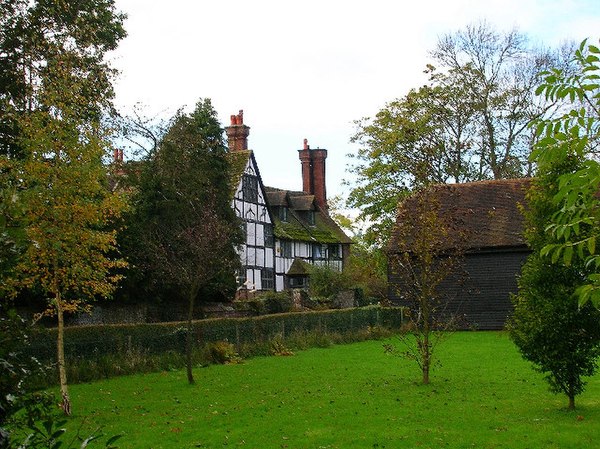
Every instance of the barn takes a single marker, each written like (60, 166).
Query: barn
(492, 249)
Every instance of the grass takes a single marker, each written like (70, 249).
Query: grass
(349, 396)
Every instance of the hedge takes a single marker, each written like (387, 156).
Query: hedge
(94, 342)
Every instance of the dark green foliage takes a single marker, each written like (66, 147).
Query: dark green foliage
(270, 302)
(183, 231)
(45, 41)
(326, 282)
(20, 405)
(549, 328)
(561, 339)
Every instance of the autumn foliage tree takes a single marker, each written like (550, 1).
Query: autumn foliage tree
(55, 89)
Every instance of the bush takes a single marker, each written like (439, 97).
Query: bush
(277, 302)
(223, 352)
(326, 282)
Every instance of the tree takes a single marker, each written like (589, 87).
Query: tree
(56, 89)
(470, 122)
(549, 328)
(499, 72)
(68, 210)
(426, 251)
(575, 134)
(44, 38)
(185, 227)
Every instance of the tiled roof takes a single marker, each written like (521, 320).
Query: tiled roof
(489, 212)
(324, 230)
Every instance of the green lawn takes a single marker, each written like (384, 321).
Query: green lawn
(352, 396)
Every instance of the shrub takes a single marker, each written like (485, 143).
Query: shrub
(278, 347)
(223, 352)
(326, 282)
(276, 302)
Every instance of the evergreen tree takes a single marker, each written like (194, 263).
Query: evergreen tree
(184, 232)
(560, 338)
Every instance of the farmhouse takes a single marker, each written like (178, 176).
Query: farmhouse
(284, 229)
(493, 248)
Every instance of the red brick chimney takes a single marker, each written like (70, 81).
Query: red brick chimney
(237, 133)
(313, 173)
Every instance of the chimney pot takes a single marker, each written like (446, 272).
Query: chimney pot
(237, 133)
(306, 147)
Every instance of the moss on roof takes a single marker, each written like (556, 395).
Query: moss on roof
(298, 268)
(325, 230)
(238, 160)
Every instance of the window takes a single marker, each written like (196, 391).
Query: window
(298, 281)
(285, 248)
(269, 240)
(250, 188)
(283, 213)
(318, 251)
(267, 278)
(310, 217)
(334, 251)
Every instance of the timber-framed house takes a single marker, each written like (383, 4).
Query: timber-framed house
(285, 230)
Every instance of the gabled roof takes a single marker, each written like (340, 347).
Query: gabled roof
(324, 230)
(298, 268)
(238, 160)
(489, 212)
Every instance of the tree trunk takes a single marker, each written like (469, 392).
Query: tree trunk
(571, 402)
(189, 340)
(62, 372)
(426, 358)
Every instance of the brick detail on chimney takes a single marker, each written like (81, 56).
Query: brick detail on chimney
(313, 173)
(118, 156)
(237, 133)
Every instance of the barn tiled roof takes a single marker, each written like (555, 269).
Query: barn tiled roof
(489, 212)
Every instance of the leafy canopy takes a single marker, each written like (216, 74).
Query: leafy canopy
(574, 134)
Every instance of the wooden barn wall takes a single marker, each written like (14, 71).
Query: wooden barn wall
(481, 293)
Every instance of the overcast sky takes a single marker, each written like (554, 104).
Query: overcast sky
(307, 69)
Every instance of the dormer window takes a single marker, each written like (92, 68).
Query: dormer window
(283, 213)
(310, 217)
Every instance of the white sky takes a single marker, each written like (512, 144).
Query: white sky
(307, 69)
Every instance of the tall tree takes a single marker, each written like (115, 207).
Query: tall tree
(43, 38)
(470, 122)
(186, 228)
(56, 88)
(67, 212)
(575, 221)
(560, 338)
